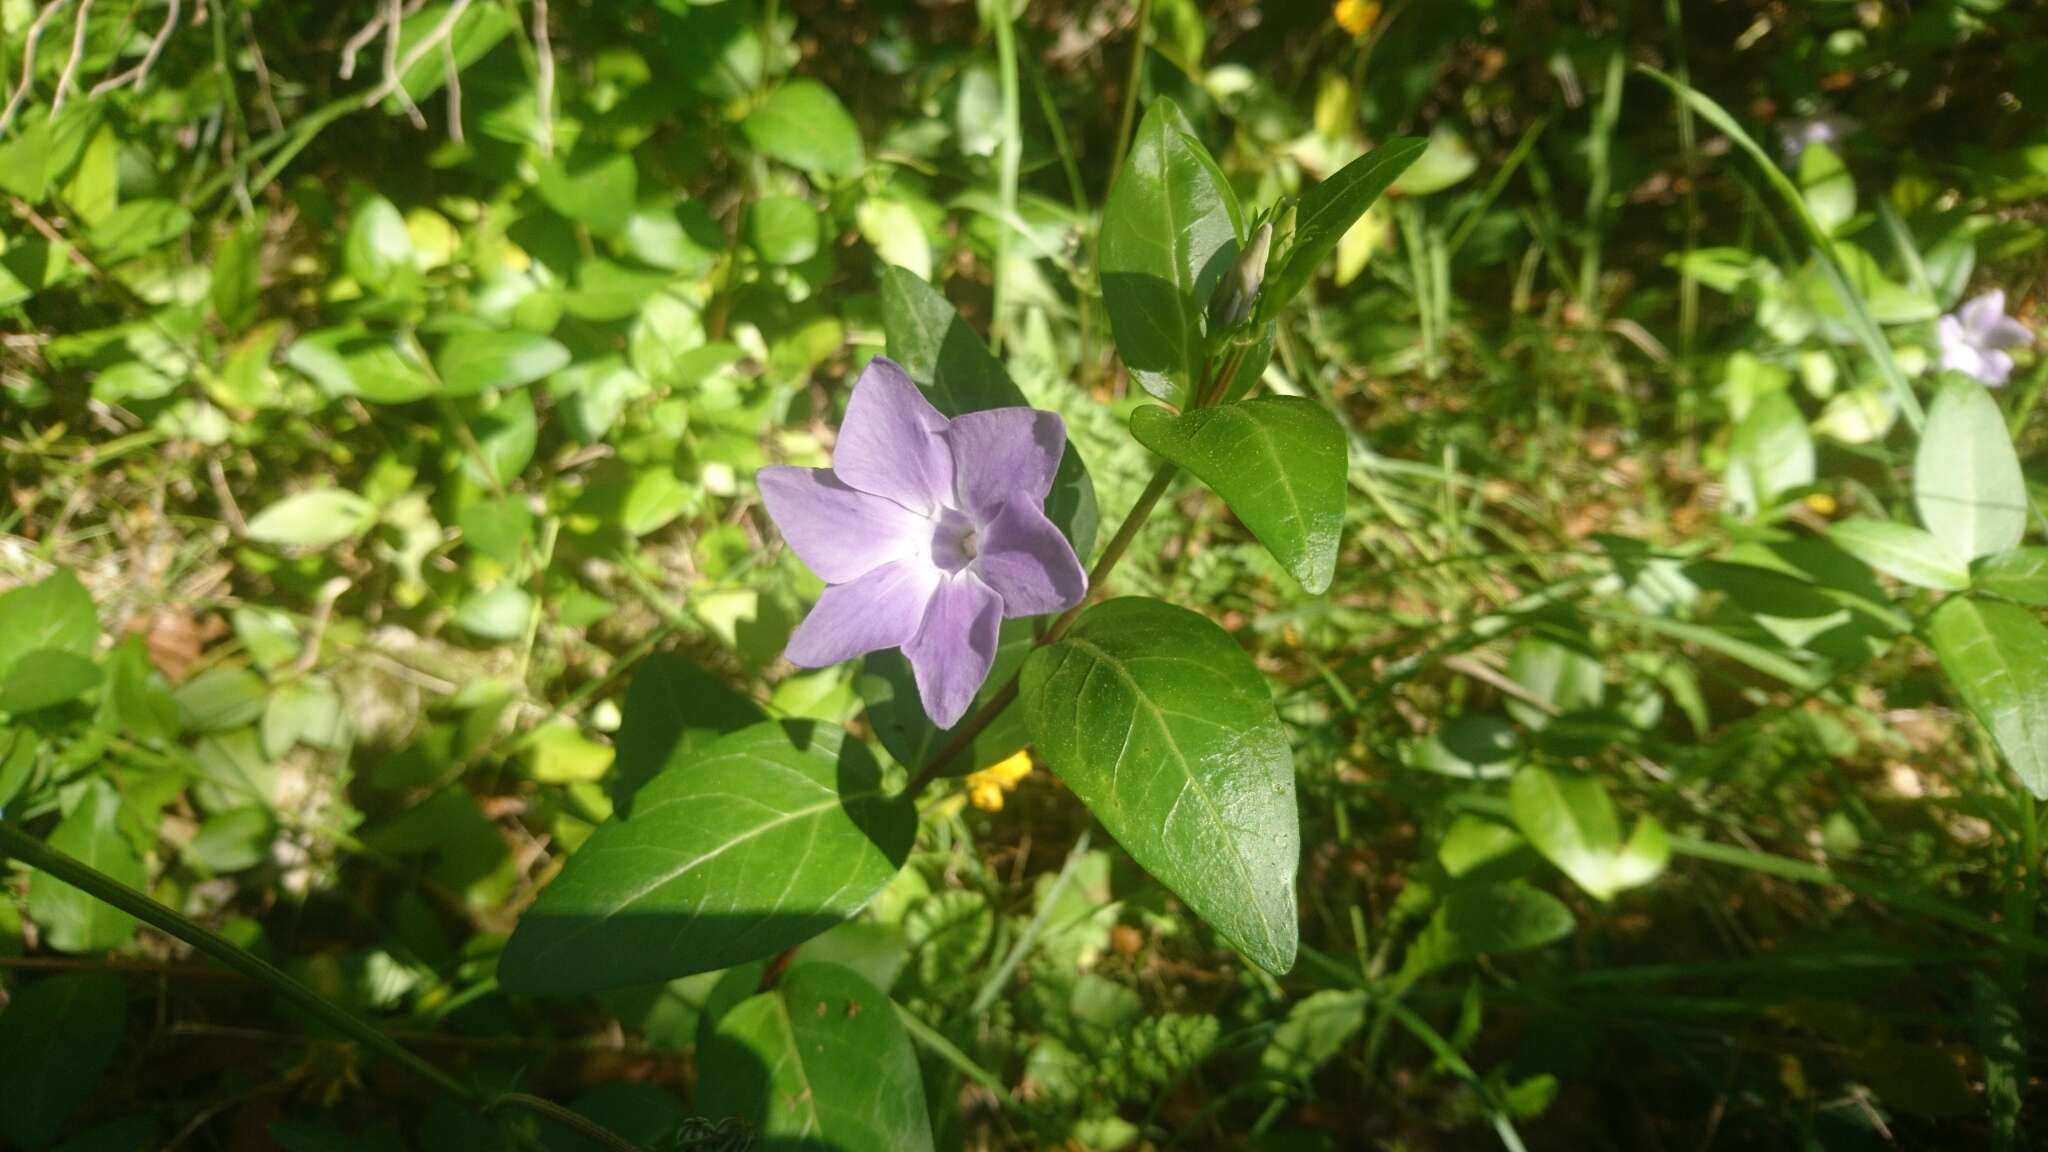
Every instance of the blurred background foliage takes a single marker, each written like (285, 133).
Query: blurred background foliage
(380, 413)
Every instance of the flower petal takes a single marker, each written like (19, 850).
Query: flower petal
(839, 533)
(1005, 454)
(1029, 564)
(1997, 368)
(1980, 314)
(956, 646)
(883, 609)
(2007, 333)
(893, 442)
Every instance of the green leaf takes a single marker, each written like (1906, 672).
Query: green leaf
(231, 841)
(351, 360)
(1967, 483)
(893, 230)
(1564, 676)
(761, 840)
(2020, 575)
(499, 614)
(54, 613)
(378, 253)
(1328, 210)
(805, 126)
(483, 361)
(46, 678)
(594, 186)
(237, 287)
(1278, 461)
(672, 709)
(1770, 454)
(1901, 551)
(71, 920)
(43, 149)
(1829, 188)
(958, 374)
(137, 227)
(1169, 233)
(1448, 160)
(1164, 728)
(1473, 922)
(1996, 655)
(1571, 821)
(57, 1038)
(949, 933)
(1316, 1029)
(783, 229)
(317, 519)
(819, 1061)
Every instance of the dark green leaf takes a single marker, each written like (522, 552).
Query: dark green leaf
(805, 126)
(1996, 655)
(1328, 210)
(820, 1061)
(1474, 922)
(1278, 461)
(1164, 728)
(734, 852)
(71, 920)
(1169, 233)
(57, 1038)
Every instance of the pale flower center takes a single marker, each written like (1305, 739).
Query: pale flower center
(953, 543)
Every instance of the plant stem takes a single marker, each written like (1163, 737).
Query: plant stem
(18, 844)
(1140, 32)
(1011, 157)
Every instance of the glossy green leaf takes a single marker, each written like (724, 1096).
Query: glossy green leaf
(820, 1061)
(1278, 461)
(1165, 729)
(1571, 821)
(1492, 920)
(1169, 233)
(672, 709)
(1966, 477)
(54, 613)
(1902, 551)
(734, 852)
(958, 374)
(1328, 210)
(1770, 454)
(1996, 656)
(71, 920)
(805, 126)
(57, 1038)
(317, 519)
(484, 361)
(2020, 575)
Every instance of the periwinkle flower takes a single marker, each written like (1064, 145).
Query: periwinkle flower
(928, 532)
(1974, 339)
(1797, 135)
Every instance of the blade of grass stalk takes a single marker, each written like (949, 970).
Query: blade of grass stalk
(1860, 322)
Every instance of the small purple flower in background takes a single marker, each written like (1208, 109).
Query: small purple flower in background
(1974, 339)
(928, 532)
(1797, 135)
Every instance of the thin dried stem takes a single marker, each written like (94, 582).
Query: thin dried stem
(139, 74)
(356, 43)
(263, 87)
(394, 73)
(28, 61)
(453, 82)
(544, 77)
(394, 80)
(69, 77)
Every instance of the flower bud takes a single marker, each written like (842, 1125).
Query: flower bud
(1231, 303)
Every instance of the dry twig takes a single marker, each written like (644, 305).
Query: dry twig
(139, 74)
(28, 61)
(69, 77)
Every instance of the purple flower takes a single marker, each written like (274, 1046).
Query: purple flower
(1796, 136)
(1974, 339)
(928, 532)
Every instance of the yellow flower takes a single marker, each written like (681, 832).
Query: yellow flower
(986, 787)
(1357, 16)
(1822, 503)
